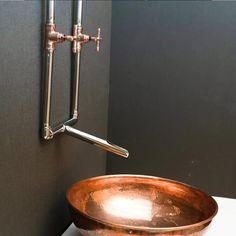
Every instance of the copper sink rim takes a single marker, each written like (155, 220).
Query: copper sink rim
(143, 228)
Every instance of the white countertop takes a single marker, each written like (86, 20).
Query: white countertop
(222, 224)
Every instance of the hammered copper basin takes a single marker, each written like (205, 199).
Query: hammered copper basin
(139, 205)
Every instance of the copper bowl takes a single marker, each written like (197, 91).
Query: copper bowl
(139, 205)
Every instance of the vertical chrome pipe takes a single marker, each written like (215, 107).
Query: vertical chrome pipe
(77, 22)
(75, 85)
(78, 5)
(50, 12)
(47, 94)
(48, 73)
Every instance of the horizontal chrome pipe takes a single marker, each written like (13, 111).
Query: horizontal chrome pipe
(110, 147)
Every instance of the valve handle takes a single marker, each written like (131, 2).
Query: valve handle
(97, 39)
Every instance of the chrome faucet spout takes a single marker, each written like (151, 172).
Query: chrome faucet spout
(101, 143)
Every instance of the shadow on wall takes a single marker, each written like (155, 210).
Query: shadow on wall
(172, 91)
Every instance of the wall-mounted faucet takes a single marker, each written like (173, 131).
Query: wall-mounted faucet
(78, 39)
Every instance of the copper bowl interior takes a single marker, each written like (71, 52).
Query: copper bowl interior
(141, 203)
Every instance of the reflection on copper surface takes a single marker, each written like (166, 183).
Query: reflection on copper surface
(121, 205)
(135, 209)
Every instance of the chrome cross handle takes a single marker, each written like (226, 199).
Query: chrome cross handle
(97, 39)
(79, 38)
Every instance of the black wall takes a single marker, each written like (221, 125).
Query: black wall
(173, 91)
(35, 174)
